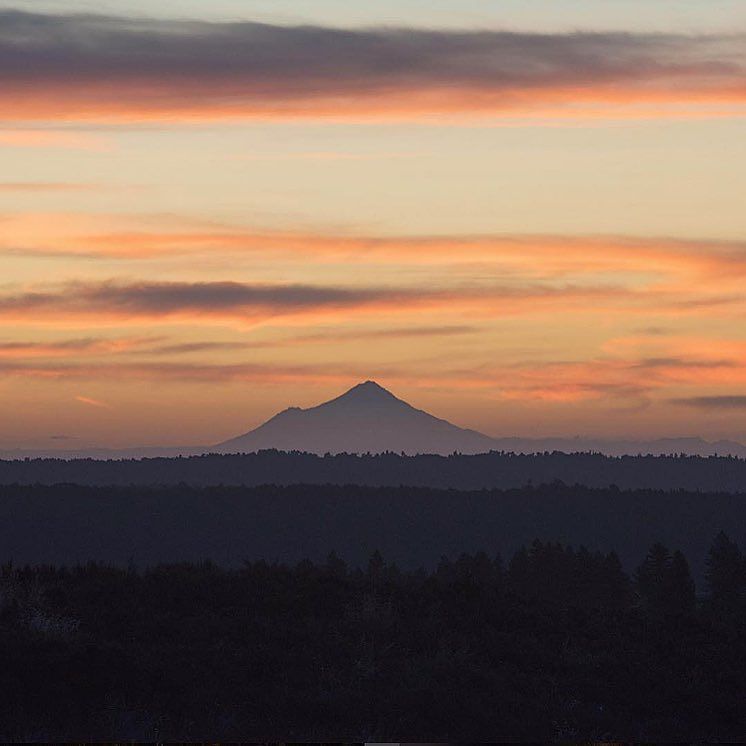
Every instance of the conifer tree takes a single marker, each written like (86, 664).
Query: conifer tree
(726, 573)
(651, 577)
(679, 592)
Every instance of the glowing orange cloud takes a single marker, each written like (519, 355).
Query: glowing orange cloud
(190, 103)
(615, 379)
(49, 138)
(75, 347)
(540, 256)
(92, 402)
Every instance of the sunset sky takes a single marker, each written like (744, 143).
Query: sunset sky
(525, 216)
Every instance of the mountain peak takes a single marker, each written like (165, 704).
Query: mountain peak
(368, 387)
(366, 418)
(367, 392)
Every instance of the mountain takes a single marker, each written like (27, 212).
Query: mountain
(367, 418)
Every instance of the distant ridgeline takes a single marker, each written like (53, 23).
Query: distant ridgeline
(483, 471)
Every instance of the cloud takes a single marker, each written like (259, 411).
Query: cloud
(92, 402)
(410, 332)
(92, 347)
(669, 275)
(163, 299)
(97, 67)
(611, 378)
(97, 303)
(654, 331)
(48, 138)
(616, 381)
(663, 363)
(188, 348)
(539, 255)
(267, 373)
(736, 402)
(545, 253)
(89, 346)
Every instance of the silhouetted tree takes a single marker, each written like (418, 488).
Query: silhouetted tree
(726, 573)
(679, 592)
(651, 577)
(518, 571)
(376, 569)
(664, 582)
(445, 573)
(615, 585)
(335, 567)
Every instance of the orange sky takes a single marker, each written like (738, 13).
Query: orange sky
(529, 233)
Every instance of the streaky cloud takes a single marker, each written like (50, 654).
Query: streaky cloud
(101, 67)
(714, 402)
(97, 302)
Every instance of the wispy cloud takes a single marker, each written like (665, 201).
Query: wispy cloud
(30, 138)
(673, 275)
(87, 346)
(725, 403)
(92, 402)
(407, 332)
(618, 381)
(690, 274)
(95, 67)
(96, 303)
(540, 255)
(188, 348)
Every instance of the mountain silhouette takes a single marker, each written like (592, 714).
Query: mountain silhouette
(367, 418)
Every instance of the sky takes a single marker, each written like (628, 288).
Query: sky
(524, 216)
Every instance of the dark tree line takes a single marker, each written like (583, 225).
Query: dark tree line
(554, 644)
(458, 471)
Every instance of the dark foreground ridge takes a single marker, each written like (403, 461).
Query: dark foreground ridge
(553, 644)
(484, 471)
(67, 524)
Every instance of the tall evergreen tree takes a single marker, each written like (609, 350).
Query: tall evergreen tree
(518, 571)
(376, 569)
(335, 567)
(615, 582)
(726, 572)
(651, 577)
(679, 595)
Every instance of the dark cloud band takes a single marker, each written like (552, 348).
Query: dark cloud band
(102, 300)
(714, 402)
(233, 65)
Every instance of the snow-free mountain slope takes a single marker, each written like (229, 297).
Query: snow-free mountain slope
(367, 418)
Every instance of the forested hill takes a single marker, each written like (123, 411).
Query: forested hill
(496, 469)
(69, 524)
